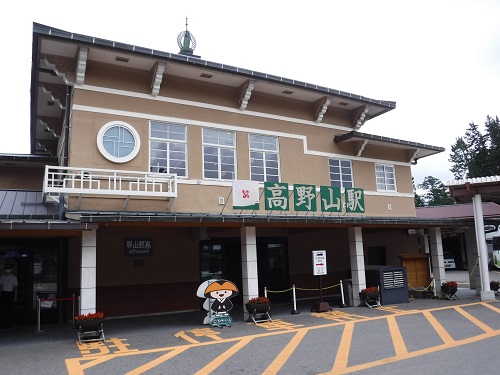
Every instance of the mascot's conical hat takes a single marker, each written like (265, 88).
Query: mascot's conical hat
(221, 285)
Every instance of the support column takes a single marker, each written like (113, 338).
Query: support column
(249, 272)
(357, 262)
(88, 273)
(486, 293)
(472, 260)
(436, 245)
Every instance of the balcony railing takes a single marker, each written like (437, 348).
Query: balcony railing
(96, 182)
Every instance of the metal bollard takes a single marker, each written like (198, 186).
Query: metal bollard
(38, 314)
(342, 295)
(294, 311)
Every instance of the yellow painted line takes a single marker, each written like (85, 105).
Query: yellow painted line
(344, 348)
(490, 306)
(76, 366)
(443, 333)
(414, 354)
(224, 357)
(182, 335)
(148, 366)
(474, 320)
(397, 338)
(281, 359)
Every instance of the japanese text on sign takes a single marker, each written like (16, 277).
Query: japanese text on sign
(319, 262)
(138, 246)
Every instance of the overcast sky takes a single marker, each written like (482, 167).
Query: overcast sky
(439, 60)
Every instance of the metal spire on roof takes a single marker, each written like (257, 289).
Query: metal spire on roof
(186, 42)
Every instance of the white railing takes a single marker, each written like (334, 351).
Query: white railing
(73, 180)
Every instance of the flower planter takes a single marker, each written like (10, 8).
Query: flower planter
(449, 291)
(258, 308)
(90, 330)
(370, 299)
(259, 312)
(495, 286)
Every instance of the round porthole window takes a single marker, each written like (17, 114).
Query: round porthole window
(118, 141)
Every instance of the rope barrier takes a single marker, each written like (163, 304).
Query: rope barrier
(474, 268)
(40, 300)
(58, 299)
(304, 289)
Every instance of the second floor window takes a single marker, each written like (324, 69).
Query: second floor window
(219, 154)
(340, 173)
(386, 177)
(168, 149)
(264, 160)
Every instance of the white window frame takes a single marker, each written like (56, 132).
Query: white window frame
(118, 159)
(168, 142)
(382, 181)
(342, 181)
(266, 152)
(219, 148)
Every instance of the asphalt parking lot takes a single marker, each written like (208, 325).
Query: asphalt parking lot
(408, 338)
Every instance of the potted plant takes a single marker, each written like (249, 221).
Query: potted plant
(449, 287)
(258, 305)
(494, 286)
(90, 326)
(370, 293)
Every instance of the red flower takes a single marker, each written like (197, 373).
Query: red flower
(450, 284)
(370, 289)
(258, 300)
(90, 316)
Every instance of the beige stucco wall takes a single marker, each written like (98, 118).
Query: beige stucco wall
(304, 146)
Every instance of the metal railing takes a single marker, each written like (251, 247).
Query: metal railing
(73, 180)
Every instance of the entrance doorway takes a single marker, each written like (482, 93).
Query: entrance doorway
(39, 267)
(221, 259)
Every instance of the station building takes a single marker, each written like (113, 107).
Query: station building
(151, 172)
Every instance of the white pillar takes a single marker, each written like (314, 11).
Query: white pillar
(357, 262)
(250, 280)
(486, 293)
(436, 245)
(88, 273)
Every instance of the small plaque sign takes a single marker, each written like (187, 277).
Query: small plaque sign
(138, 247)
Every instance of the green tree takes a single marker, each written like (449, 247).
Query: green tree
(477, 154)
(436, 194)
(419, 202)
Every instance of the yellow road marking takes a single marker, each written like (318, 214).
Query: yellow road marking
(490, 306)
(182, 335)
(224, 356)
(414, 354)
(148, 366)
(76, 366)
(281, 359)
(474, 320)
(344, 348)
(397, 338)
(445, 336)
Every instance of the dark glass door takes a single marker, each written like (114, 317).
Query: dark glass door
(272, 255)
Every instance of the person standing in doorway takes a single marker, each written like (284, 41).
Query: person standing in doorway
(8, 295)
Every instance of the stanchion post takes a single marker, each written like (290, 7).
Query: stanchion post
(342, 295)
(294, 311)
(265, 291)
(38, 330)
(434, 286)
(73, 304)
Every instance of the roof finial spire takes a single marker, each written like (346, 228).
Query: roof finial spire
(186, 42)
